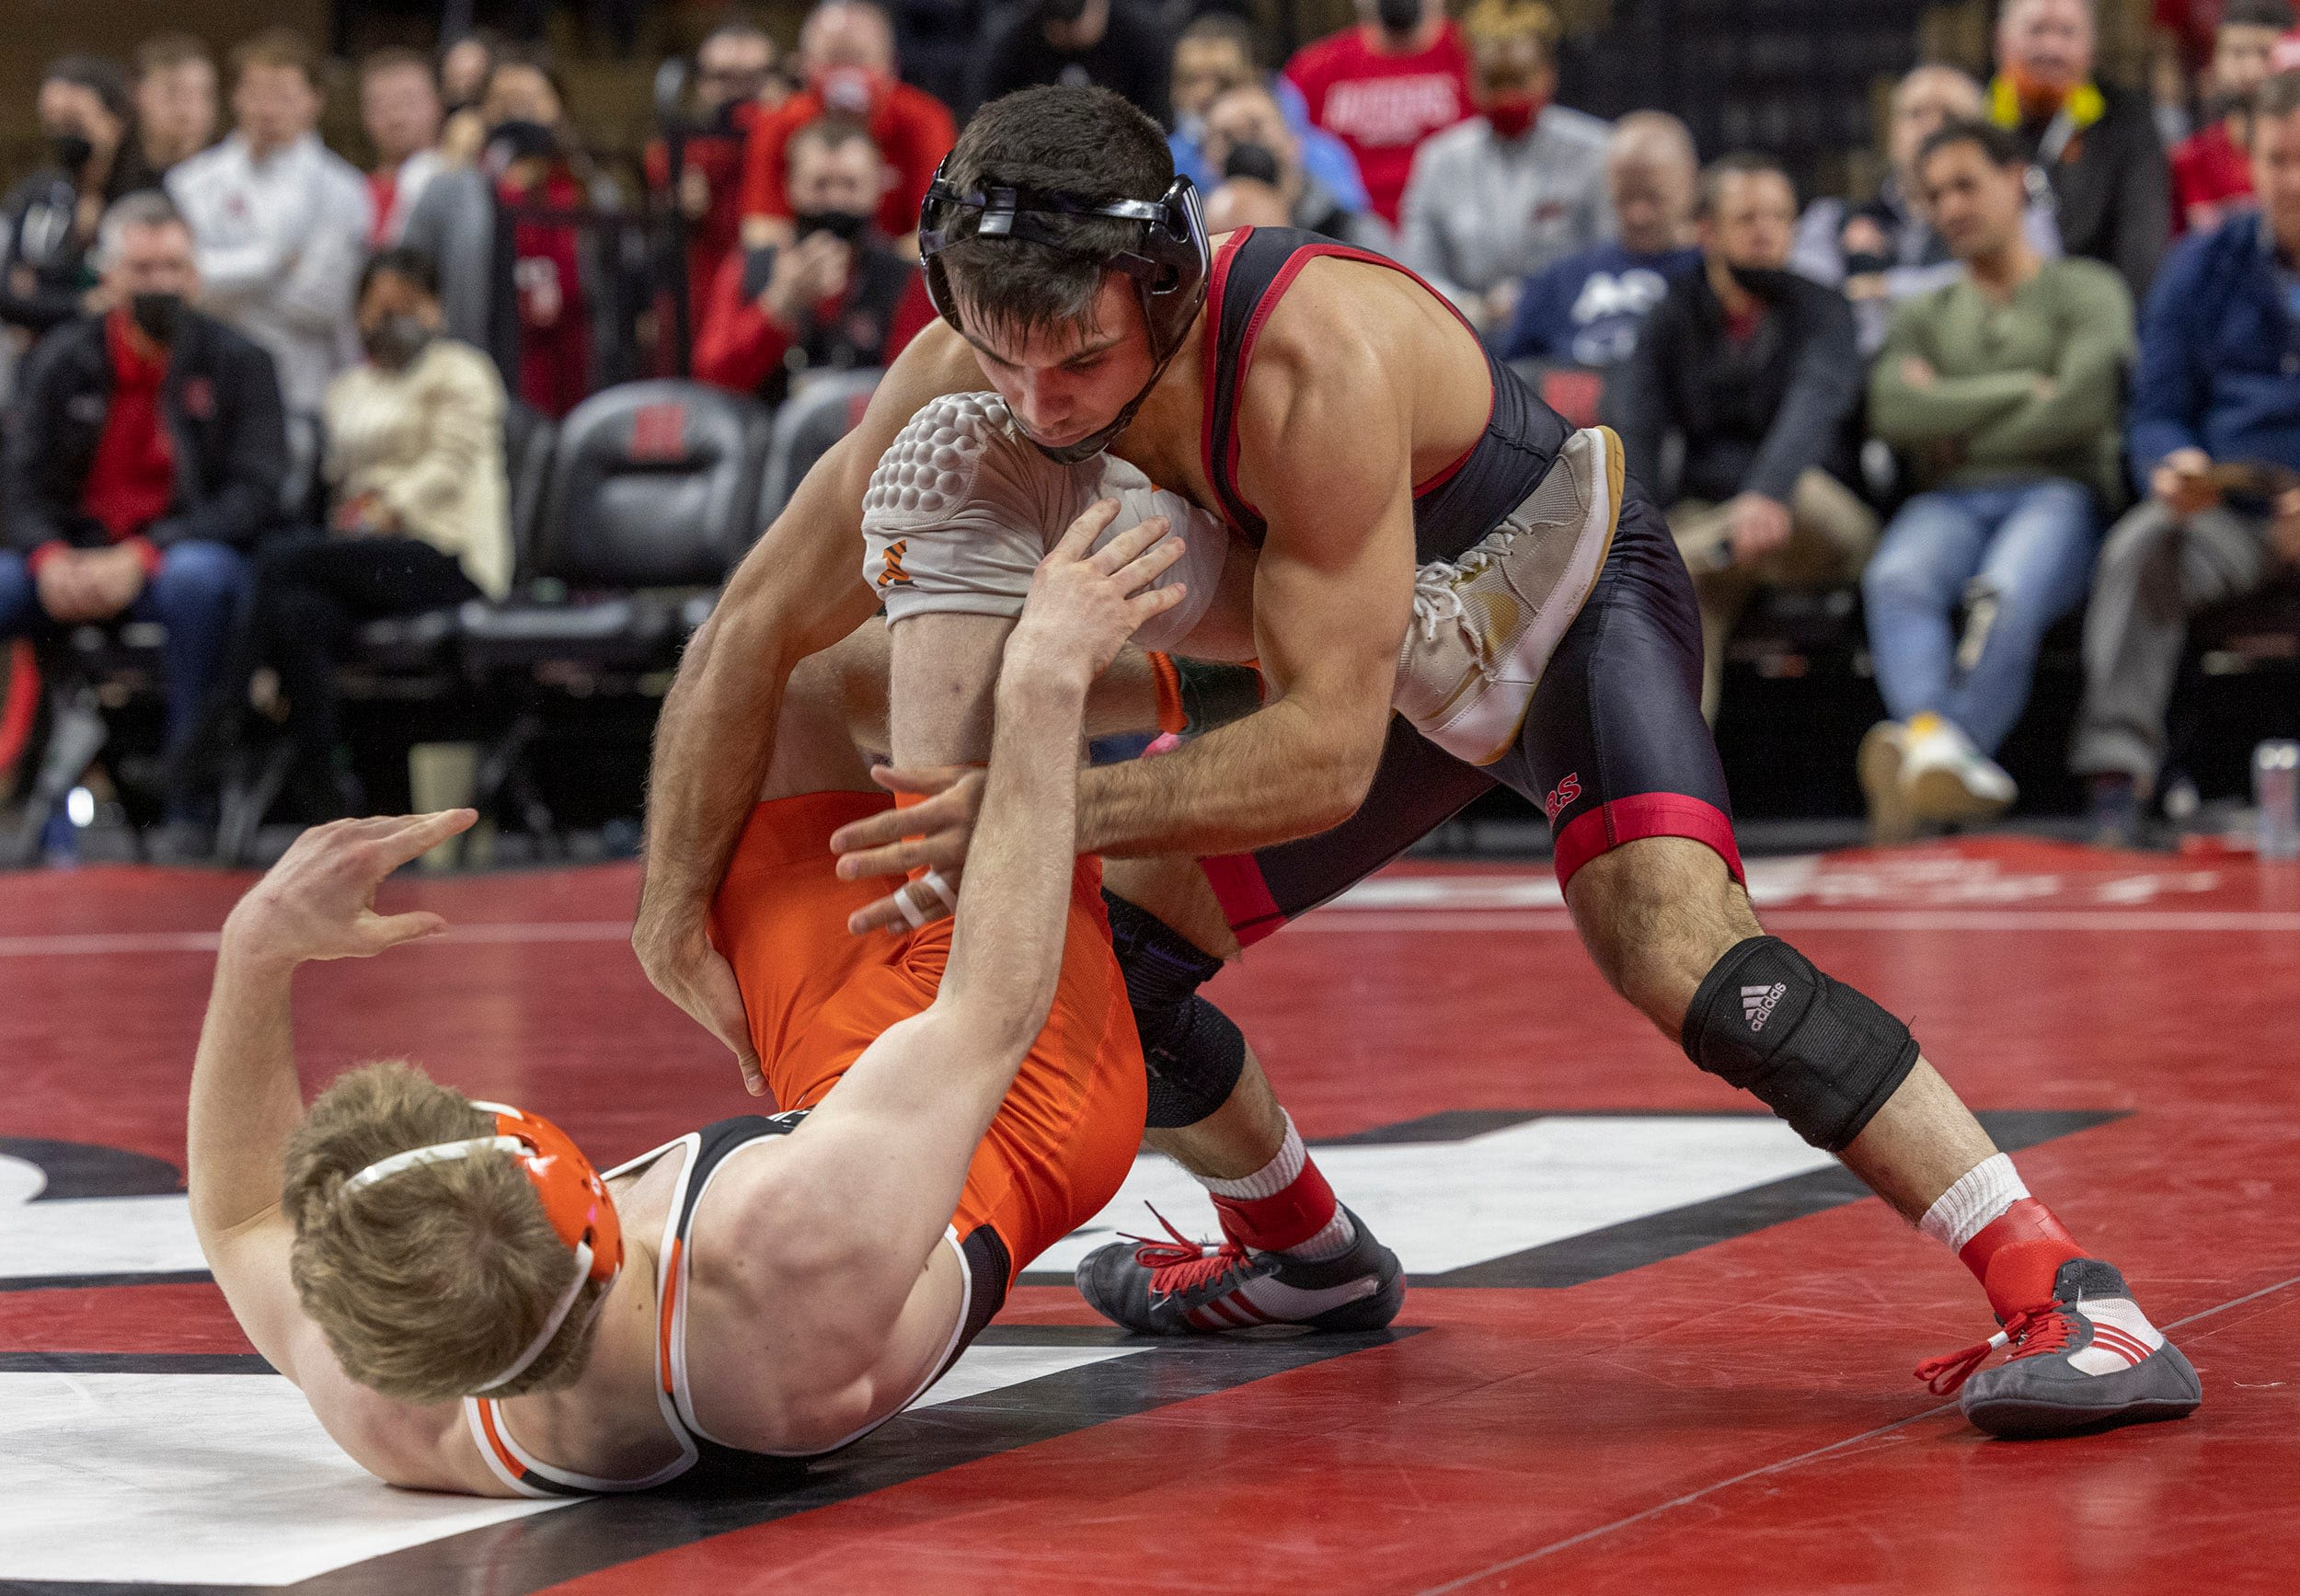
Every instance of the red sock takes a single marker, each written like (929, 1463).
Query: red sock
(1283, 1220)
(2016, 1255)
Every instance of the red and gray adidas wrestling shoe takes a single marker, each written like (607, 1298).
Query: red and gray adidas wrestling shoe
(2089, 1359)
(1180, 1287)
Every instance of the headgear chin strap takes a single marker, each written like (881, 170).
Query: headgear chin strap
(1169, 266)
(574, 1200)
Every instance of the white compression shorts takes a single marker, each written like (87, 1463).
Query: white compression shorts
(962, 506)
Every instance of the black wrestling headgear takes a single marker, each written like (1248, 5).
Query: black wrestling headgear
(1169, 266)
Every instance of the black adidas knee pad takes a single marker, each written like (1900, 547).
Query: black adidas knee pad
(1813, 1049)
(1192, 1051)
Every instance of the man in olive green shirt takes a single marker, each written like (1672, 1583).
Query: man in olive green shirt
(2000, 393)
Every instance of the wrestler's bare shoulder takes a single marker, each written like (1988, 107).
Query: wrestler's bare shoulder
(1347, 333)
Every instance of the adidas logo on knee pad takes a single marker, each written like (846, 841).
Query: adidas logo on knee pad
(1757, 1002)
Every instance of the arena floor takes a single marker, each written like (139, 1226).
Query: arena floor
(1655, 1343)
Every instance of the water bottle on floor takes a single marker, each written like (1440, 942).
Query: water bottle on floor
(2276, 793)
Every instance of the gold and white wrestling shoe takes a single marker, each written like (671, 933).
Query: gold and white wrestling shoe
(1486, 624)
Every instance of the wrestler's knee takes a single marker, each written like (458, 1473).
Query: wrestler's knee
(1657, 914)
(1193, 1052)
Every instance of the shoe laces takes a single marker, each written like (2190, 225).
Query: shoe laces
(1437, 593)
(2033, 1331)
(1179, 1264)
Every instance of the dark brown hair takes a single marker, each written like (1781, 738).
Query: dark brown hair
(277, 47)
(1087, 144)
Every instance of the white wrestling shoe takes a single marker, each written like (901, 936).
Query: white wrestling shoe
(1486, 624)
(1946, 778)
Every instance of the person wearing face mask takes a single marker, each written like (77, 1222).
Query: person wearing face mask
(2097, 145)
(47, 224)
(143, 469)
(1246, 134)
(513, 273)
(1384, 86)
(419, 519)
(1886, 252)
(2212, 172)
(1219, 52)
(283, 221)
(1756, 369)
(1113, 43)
(846, 51)
(735, 84)
(839, 296)
(1517, 186)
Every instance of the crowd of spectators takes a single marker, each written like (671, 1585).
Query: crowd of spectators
(1953, 389)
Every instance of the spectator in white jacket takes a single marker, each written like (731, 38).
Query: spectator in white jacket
(283, 224)
(1518, 185)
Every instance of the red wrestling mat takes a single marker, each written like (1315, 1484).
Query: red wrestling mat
(1617, 1372)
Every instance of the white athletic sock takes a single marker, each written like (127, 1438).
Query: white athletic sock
(1973, 1204)
(1339, 1234)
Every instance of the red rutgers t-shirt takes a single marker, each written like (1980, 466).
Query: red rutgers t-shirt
(1383, 106)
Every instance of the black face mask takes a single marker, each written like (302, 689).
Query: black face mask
(846, 226)
(394, 342)
(1398, 16)
(1247, 159)
(521, 141)
(159, 315)
(1766, 283)
(69, 148)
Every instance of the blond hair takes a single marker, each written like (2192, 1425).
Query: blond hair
(1499, 19)
(429, 1284)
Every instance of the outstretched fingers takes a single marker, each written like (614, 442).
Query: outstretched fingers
(1079, 539)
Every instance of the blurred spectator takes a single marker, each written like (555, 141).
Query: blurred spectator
(399, 106)
(465, 67)
(1518, 185)
(537, 166)
(418, 517)
(2212, 175)
(1885, 251)
(1384, 86)
(47, 224)
(2213, 437)
(144, 466)
(1238, 202)
(937, 40)
(1587, 308)
(283, 221)
(1247, 137)
(1114, 44)
(1218, 53)
(2098, 145)
(176, 98)
(839, 297)
(846, 51)
(1755, 369)
(735, 84)
(2000, 389)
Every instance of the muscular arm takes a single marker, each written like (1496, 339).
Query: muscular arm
(246, 1102)
(800, 589)
(1326, 437)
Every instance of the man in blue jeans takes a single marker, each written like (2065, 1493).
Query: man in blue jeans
(144, 462)
(2000, 392)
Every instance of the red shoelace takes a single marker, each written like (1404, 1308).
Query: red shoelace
(2032, 1331)
(1180, 1264)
